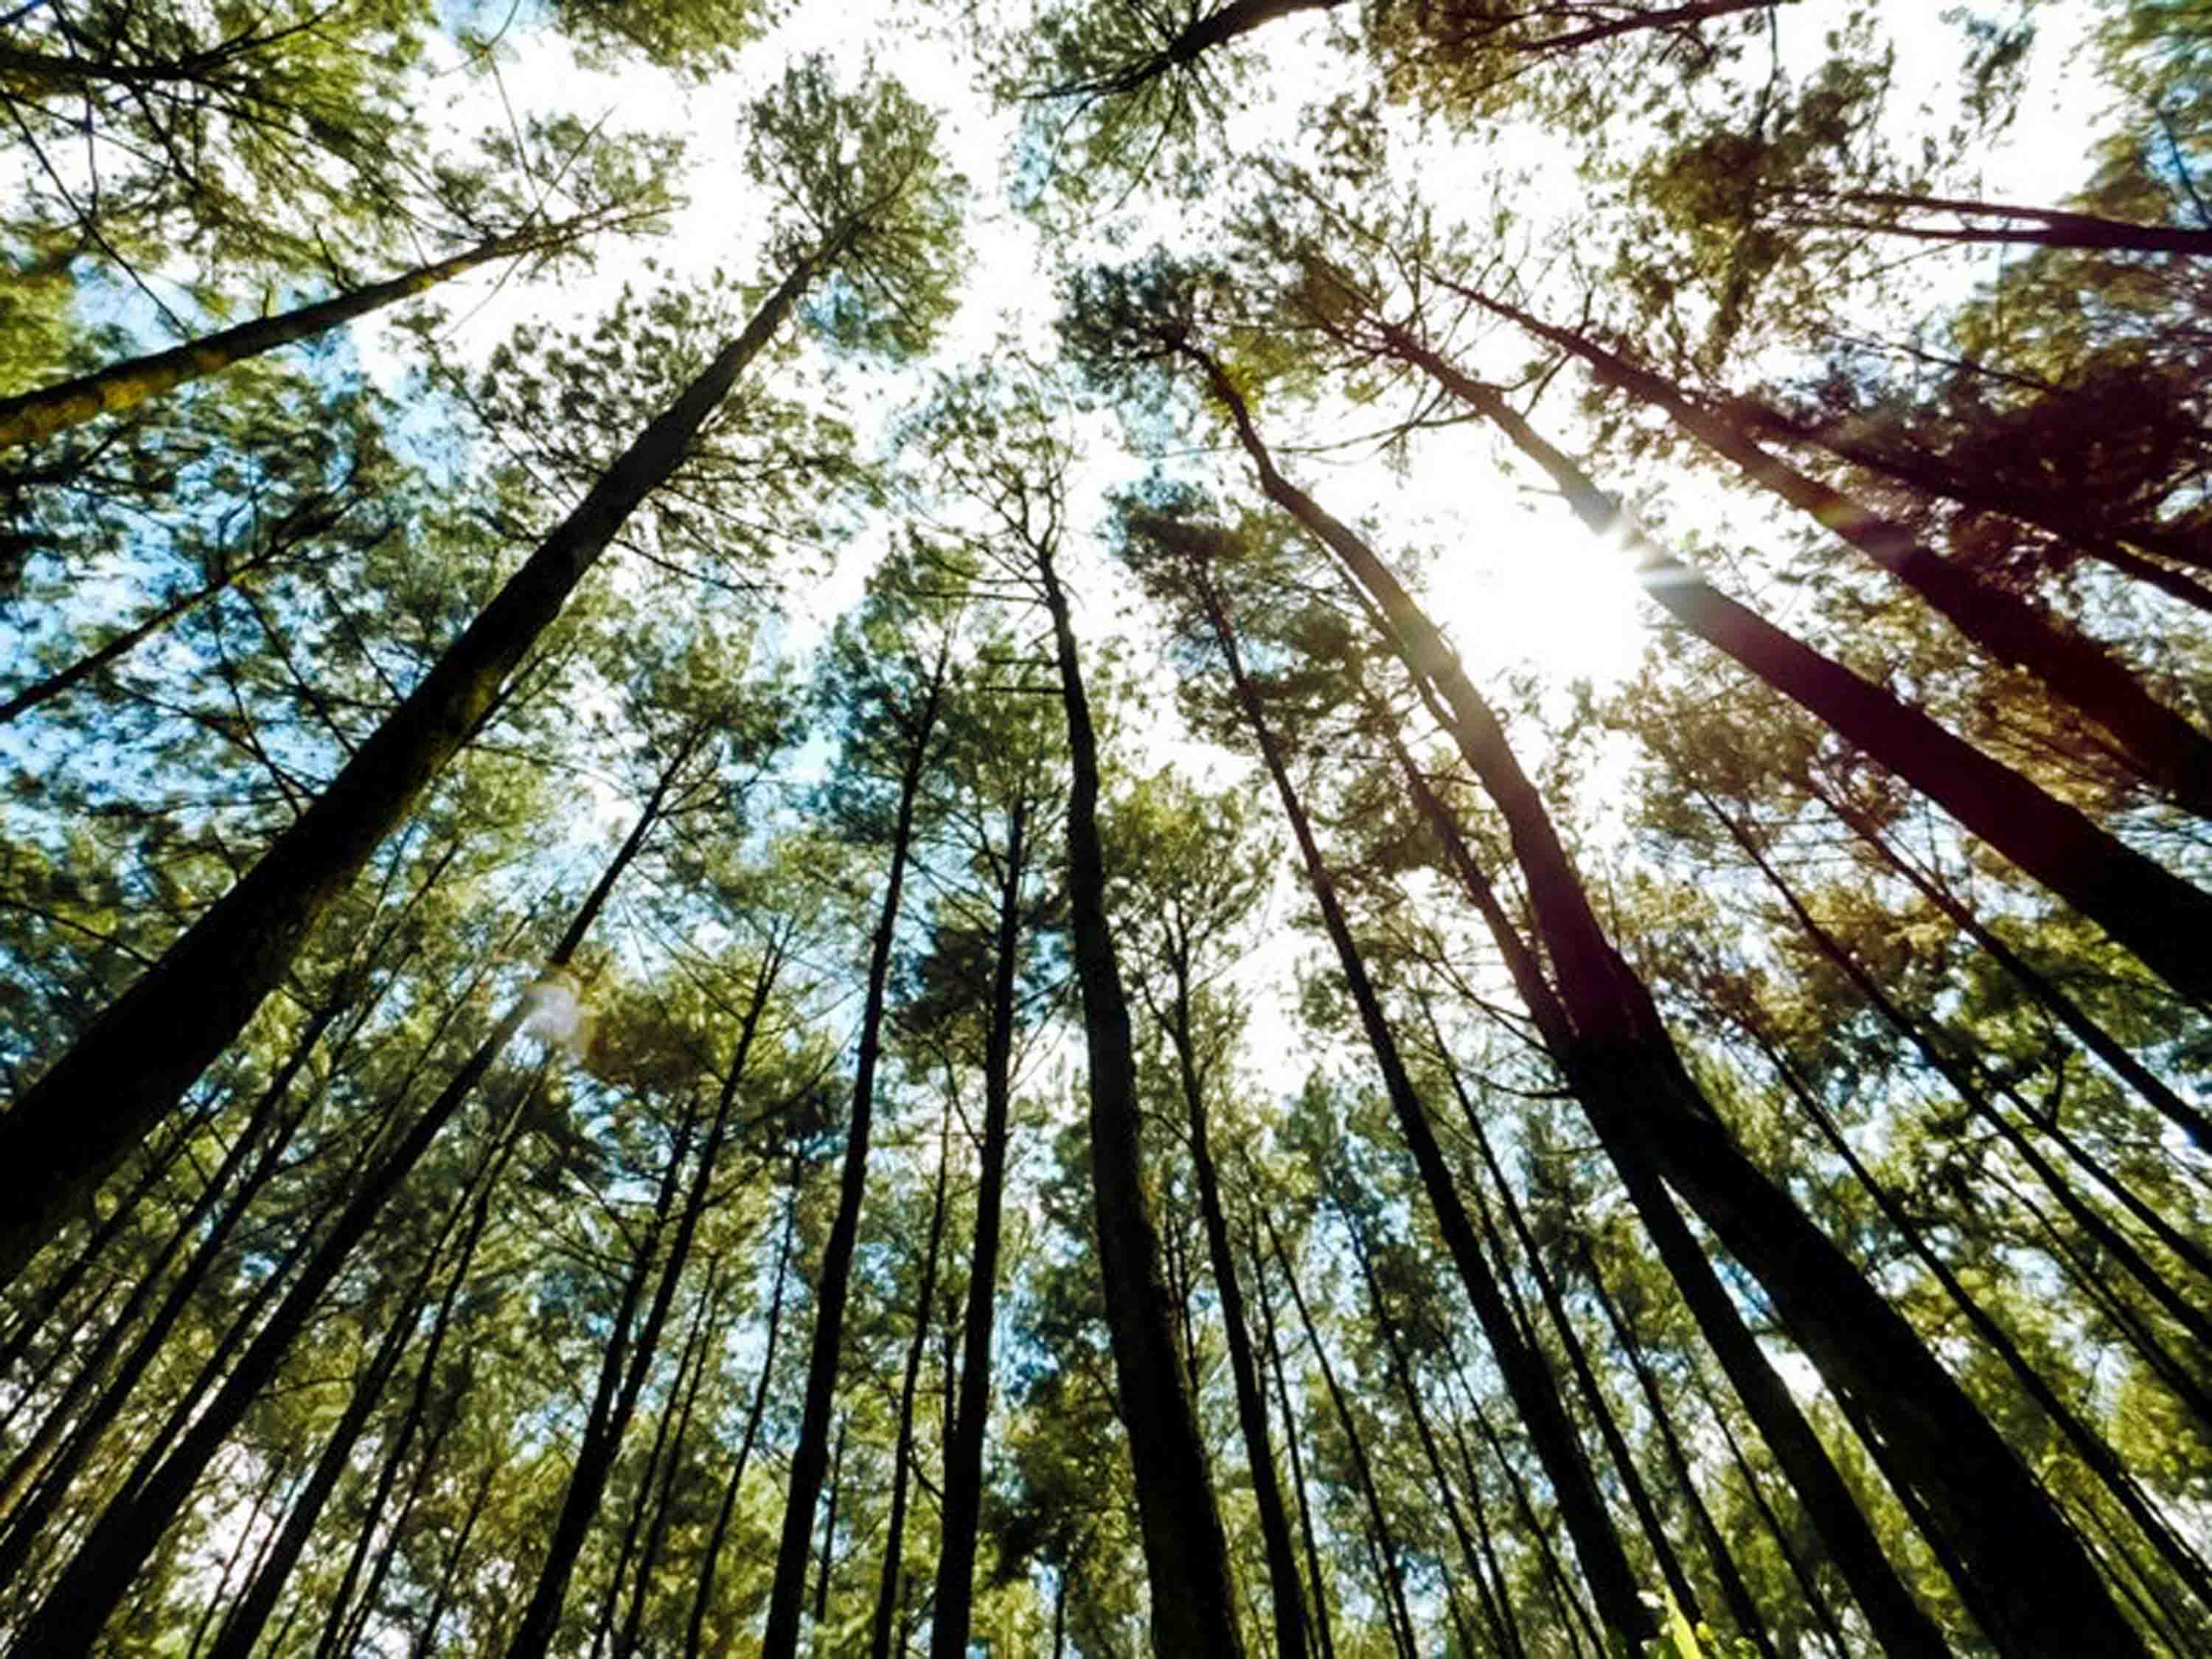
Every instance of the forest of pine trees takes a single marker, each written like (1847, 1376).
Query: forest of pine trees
(1352, 828)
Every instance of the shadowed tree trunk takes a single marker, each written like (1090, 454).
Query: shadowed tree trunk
(961, 1512)
(70, 1617)
(887, 1588)
(68, 1130)
(2035, 1585)
(2143, 906)
(1320, 1583)
(31, 416)
(1528, 1378)
(1194, 1608)
(2158, 743)
(810, 1459)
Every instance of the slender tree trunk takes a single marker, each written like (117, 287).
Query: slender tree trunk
(69, 1619)
(695, 1357)
(829, 1528)
(403, 1438)
(809, 1458)
(1392, 1578)
(31, 416)
(70, 1128)
(960, 1513)
(2143, 906)
(887, 1590)
(1535, 1393)
(1807, 1585)
(2015, 225)
(1194, 1607)
(1288, 1604)
(1898, 1620)
(1741, 1607)
(2149, 1087)
(442, 1597)
(711, 1557)
(1204, 32)
(1319, 1582)
(2159, 743)
(2044, 1593)
(2162, 1290)
(1409, 1389)
(602, 1437)
(346, 1618)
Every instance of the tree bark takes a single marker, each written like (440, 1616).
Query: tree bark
(960, 1511)
(2143, 906)
(31, 416)
(1194, 1607)
(809, 1458)
(1535, 1393)
(1288, 1602)
(69, 1619)
(887, 1588)
(70, 1129)
(2164, 748)
(2045, 1594)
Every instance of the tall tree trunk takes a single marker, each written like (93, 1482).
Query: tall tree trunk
(2088, 1443)
(68, 1130)
(809, 1458)
(654, 1486)
(1288, 1603)
(829, 1526)
(31, 416)
(1904, 1629)
(2159, 743)
(2044, 1593)
(2015, 225)
(1392, 1578)
(442, 1596)
(1741, 1607)
(1319, 1582)
(2148, 1086)
(1409, 1390)
(2108, 1238)
(2143, 906)
(77, 1607)
(1194, 1607)
(887, 1588)
(603, 1436)
(1528, 1376)
(961, 1512)
(711, 1555)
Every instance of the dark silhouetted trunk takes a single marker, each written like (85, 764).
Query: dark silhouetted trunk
(1288, 1602)
(613, 1410)
(1194, 1608)
(710, 1557)
(2036, 1589)
(2160, 743)
(78, 1606)
(810, 1459)
(2143, 906)
(1274, 1351)
(31, 416)
(70, 1128)
(1390, 1575)
(960, 1511)
(894, 1573)
(2009, 225)
(1528, 1376)
(1903, 1628)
